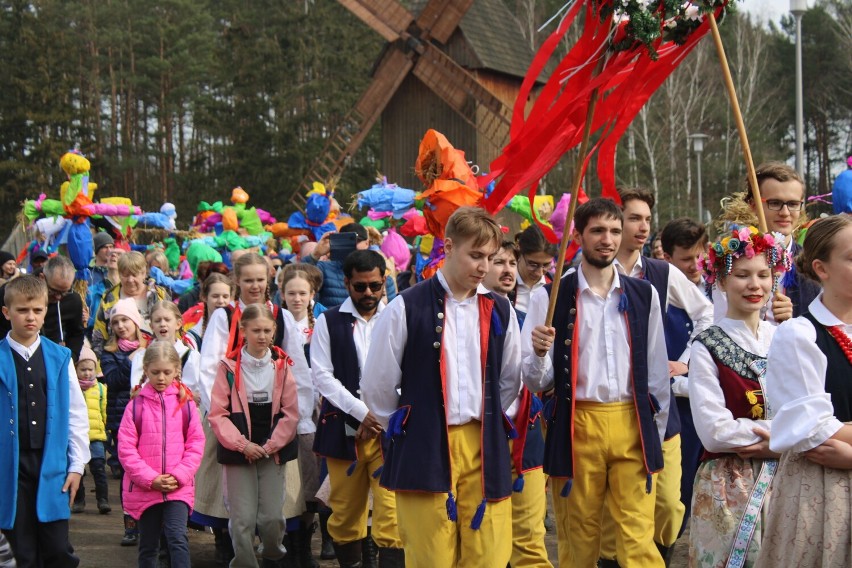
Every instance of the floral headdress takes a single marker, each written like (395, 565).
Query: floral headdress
(745, 242)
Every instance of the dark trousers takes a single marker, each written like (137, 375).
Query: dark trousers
(111, 445)
(690, 452)
(167, 518)
(37, 544)
(98, 470)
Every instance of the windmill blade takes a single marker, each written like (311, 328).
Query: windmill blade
(463, 93)
(342, 145)
(440, 18)
(387, 17)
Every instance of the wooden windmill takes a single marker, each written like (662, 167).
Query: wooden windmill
(422, 67)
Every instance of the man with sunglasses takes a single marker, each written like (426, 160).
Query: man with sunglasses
(348, 434)
(63, 322)
(782, 197)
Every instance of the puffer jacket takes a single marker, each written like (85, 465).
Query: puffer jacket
(116, 369)
(159, 447)
(100, 332)
(227, 399)
(96, 403)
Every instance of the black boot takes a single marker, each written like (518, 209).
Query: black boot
(79, 499)
(290, 560)
(98, 469)
(302, 542)
(349, 554)
(666, 552)
(369, 552)
(224, 552)
(327, 552)
(391, 557)
(606, 563)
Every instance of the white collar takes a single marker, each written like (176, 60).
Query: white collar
(480, 289)
(25, 352)
(638, 264)
(348, 307)
(583, 284)
(822, 315)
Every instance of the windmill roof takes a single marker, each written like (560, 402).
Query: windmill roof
(494, 37)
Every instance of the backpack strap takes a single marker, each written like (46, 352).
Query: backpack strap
(185, 357)
(186, 413)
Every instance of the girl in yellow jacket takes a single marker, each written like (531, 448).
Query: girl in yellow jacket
(95, 394)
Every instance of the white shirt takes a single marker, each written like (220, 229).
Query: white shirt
(258, 376)
(78, 413)
(716, 427)
(461, 353)
(189, 372)
(523, 292)
(213, 351)
(795, 384)
(683, 294)
(603, 369)
(322, 367)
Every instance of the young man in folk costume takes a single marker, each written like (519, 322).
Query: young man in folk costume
(684, 245)
(444, 365)
(605, 356)
(348, 434)
(782, 197)
(529, 499)
(674, 291)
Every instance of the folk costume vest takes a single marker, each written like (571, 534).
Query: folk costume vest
(837, 372)
(635, 304)
(801, 291)
(528, 447)
(739, 377)
(657, 273)
(51, 503)
(331, 440)
(418, 457)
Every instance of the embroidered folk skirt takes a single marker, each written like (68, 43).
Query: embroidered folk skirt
(810, 519)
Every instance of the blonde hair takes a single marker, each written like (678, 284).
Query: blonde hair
(162, 351)
(112, 343)
(256, 311)
(820, 241)
(288, 275)
(159, 258)
(473, 223)
(170, 307)
(737, 208)
(26, 287)
(132, 263)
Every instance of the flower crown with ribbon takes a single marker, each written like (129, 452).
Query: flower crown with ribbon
(745, 242)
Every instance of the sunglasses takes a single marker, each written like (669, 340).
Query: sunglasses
(54, 293)
(361, 287)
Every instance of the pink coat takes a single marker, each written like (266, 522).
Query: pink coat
(159, 447)
(226, 399)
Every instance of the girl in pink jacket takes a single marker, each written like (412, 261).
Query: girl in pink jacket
(160, 444)
(253, 412)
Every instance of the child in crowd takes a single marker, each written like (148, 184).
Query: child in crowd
(726, 378)
(809, 386)
(254, 412)
(95, 394)
(216, 292)
(125, 341)
(160, 445)
(48, 447)
(166, 325)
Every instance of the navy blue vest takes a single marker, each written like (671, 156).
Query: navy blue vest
(837, 373)
(558, 451)
(32, 400)
(801, 291)
(418, 458)
(657, 273)
(678, 330)
(331, 440)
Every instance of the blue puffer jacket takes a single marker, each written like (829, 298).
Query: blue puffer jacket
(333, 291)
(116, 369)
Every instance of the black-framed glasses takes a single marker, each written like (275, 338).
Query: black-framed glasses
(361, 287)
(778, 205)
(540, 266)
(54, 293)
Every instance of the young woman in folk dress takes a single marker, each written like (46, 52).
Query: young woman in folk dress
(726, 397)
(809, 385)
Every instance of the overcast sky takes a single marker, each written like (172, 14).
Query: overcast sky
(767, 9)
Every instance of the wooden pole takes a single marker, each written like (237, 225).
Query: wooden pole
(575, 189)
(738, 117)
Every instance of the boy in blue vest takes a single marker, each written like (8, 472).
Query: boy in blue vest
(605, 357)
(348, 434)
(44, 455)
(443, 367)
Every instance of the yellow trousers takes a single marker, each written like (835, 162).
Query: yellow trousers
(528, 509)
(349, 499)
(608, 467)
(668, 510)
(431, 540)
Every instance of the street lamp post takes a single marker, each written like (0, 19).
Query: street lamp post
(798, 8)
(698, 148)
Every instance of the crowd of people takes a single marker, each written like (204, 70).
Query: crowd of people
(423, 422)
